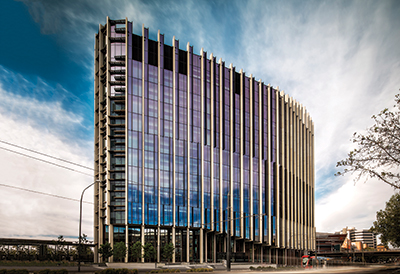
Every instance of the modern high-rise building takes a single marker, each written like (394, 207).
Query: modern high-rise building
(194, 152)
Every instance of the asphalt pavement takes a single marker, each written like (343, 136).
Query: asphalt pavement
(147, 267)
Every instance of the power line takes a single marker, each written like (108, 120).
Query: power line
(43, 193)
(48, 162)
(47, 155)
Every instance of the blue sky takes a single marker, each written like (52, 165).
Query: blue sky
(340, 59)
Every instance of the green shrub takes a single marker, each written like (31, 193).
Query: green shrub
(59, 271)
(200, 270)
(36, 263)
(14, 271)
(49, 271)
(117, 271)
(263, 268)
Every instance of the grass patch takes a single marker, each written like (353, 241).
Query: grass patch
(169, 270)
(271, 268)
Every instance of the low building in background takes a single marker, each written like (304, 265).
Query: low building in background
(381, 248)
(360, 239)
(365, 237)
(330, 242)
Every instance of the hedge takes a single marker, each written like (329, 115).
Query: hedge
(200, 270)
(14, 271)
(50, 271)
(117, 271)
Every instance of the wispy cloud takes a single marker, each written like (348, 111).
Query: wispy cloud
(337, 59)
(34, 115)
(351, 205)
(340, 59)
(24, 213)
(50, 108)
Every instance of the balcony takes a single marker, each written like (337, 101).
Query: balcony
(120, 30)
(119, 57)
(117, 116)
(119, 77)
(121, 89)
(117, 63)
(117, 125)
(118, 97)
(117, 39)
(117, 71)
(117, 83)
(117, 21)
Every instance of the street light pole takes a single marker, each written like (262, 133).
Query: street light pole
(80, 225)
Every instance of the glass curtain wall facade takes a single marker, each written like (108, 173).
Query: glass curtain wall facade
(188, 150)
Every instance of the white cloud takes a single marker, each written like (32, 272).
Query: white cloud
(53, 109)
(339, 62)
(351, 205)
(25, 213)
(41, 126)
(339, 59)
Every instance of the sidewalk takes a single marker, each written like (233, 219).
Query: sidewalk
(242, 268)
(236, 268)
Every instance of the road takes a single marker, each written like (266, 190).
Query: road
(146, 268)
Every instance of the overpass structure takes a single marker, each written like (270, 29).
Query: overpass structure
(363, 256)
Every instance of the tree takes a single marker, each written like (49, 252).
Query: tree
(106, 251)
(149, 251)
(378, 151)
(168, 251)
(387, 222)
(83, 248)
(119, 251)
(60, 250)
(136, 251)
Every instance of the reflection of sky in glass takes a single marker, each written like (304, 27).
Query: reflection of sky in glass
(151, 121)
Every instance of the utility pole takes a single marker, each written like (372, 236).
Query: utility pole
(80, 226)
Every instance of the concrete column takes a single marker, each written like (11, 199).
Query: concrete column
(252, 251)
(158, 244)
(127, 242)
(142, 241)
(111, 238)
(214, 243)
(205, 248)
(188, 245)
(173, 241)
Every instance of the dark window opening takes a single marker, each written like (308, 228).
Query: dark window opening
(236, 86)
(168, 57)
(182, 62)
(153, 53)
(137, 47)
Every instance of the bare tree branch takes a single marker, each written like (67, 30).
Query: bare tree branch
(378, 151)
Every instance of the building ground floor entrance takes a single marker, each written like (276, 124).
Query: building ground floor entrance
(199, 246)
